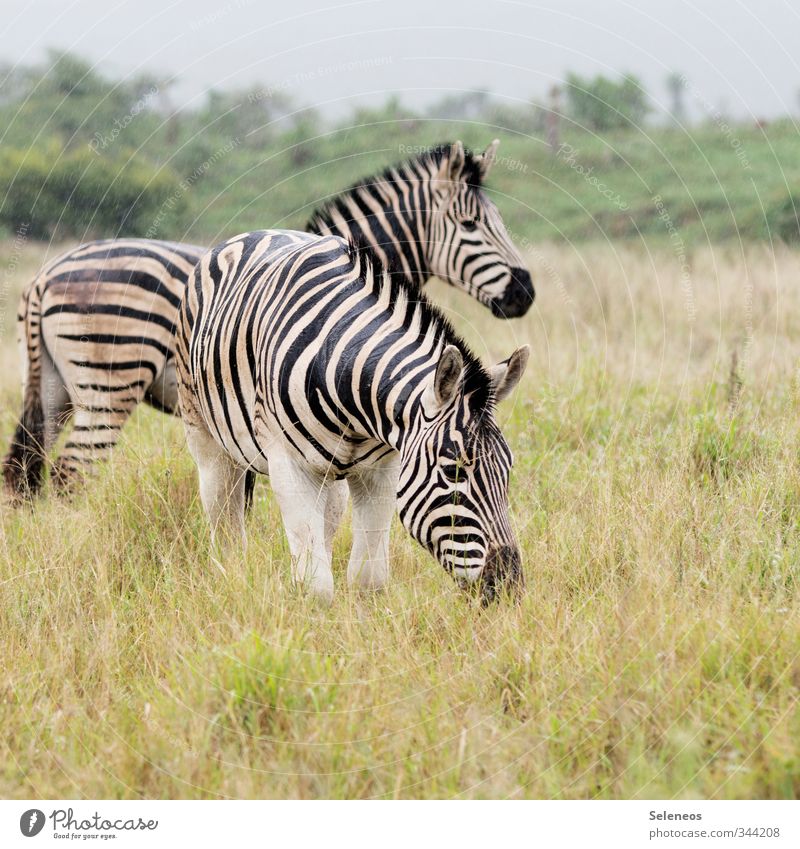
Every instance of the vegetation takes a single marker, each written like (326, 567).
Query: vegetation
(655, 654)
(51, 193)
(604, 104)
(128, 161)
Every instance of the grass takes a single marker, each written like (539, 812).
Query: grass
(656, 652)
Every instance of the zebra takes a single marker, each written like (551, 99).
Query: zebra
(97, 336)
(430, 217)
(301, 357)
(97, 325)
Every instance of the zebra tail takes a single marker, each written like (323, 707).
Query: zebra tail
(23, 465)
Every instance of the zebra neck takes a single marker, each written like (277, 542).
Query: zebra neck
(391, 214)
(403, 253)
(384, 407)
(381, 379)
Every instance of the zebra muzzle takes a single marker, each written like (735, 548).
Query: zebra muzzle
(501, 573)
(518, 296)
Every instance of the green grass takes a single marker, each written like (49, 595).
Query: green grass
(708, 191)
(656, 651)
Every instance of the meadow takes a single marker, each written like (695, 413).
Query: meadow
(654, 654)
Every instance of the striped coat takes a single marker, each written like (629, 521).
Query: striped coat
(97, 337)
(298, 357)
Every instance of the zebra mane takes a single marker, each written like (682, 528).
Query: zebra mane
(471, 174)
(477, 381)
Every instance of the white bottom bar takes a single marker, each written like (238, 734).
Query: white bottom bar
(386, 825)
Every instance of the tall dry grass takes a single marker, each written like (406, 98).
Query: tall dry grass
(655, 654)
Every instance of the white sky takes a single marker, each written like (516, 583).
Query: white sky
(739, 55)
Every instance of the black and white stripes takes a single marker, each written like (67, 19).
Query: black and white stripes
(429, 217)
(298, 357)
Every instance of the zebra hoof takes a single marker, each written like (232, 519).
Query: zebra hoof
(320, 593)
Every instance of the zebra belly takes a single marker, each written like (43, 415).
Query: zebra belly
(326, 453)
(163, 391)
(238, 441)
(109, 312)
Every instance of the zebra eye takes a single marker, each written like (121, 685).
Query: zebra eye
(454, 472)
(469, 223)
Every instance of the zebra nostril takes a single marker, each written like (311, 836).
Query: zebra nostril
(518, 296)
(502, 569)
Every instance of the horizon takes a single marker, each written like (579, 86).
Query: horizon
(354, 55)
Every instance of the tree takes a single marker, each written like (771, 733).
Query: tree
(605, 104)
(251, 115)
(67, 97)
(676, 83)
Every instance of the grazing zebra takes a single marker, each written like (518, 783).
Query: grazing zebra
(300, 358)
(97, 325)
(97, 336)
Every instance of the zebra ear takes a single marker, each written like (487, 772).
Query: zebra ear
(452, 166)
(448, 375)
(487, 158)
(506, 375)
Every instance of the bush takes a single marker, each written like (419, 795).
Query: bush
(603, 104)
(79, 193)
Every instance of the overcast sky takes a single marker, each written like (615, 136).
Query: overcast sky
(740, 56)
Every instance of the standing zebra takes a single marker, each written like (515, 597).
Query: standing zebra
(429, 217)
(97, 325)
(300, 358)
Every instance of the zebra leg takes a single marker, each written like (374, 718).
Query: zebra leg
(374, 496)
(100, 413)
(47, 408)
(335, 505)
(222, 490)
(303, 499)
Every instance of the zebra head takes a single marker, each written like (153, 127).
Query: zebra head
(454, 469)
(468, 244)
